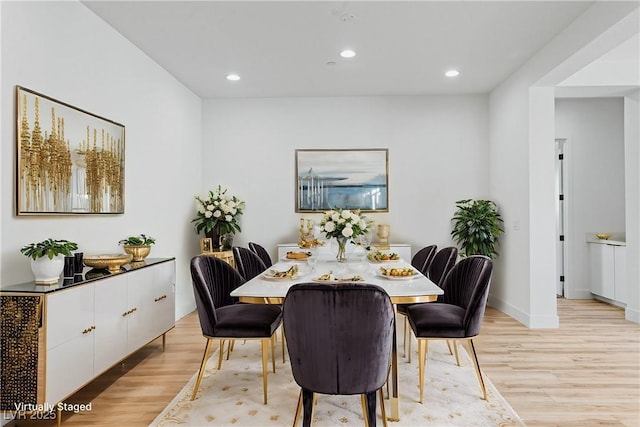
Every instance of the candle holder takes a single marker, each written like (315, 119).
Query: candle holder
(384, 230)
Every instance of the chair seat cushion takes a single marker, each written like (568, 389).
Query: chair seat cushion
(247, 320)
(437, 320)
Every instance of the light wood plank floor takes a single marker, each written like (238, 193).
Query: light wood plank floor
(585, 373)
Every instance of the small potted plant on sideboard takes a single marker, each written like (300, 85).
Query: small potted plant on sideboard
(138, 246)
(47, 259)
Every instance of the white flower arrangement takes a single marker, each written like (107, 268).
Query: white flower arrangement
(219, 209)
(344, 223)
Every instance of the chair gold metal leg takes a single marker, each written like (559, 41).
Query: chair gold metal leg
(207, 348)
(449, 347)
(389, 372)
(365, 412)
(230, 348)
(273, 353)
(296, 417)
(422, 355)
(382, 408)
(409, 345)
(265, 350)
(394, 398)
(282, 335)
(455, 351)
(474, 358)
(220, 354)
(404, 335)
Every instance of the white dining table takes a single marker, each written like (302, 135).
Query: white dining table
(414, 289)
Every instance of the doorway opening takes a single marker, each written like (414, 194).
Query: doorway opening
(560, 215)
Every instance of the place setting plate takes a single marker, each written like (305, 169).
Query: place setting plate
(398, 273)
(331, 278)
(382, 258)
(275, 275)
(297, 256)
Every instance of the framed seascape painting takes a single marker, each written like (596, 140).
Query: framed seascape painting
(69, 161)
(342, 179)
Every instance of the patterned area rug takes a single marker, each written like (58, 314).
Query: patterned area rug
(233, 395)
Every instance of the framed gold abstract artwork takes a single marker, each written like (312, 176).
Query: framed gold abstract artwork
(69, 161)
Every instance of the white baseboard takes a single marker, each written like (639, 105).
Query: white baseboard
(578, 294)
(632, 315)
(532, 322)
(509, 310)
(183, 310)
(544, 322)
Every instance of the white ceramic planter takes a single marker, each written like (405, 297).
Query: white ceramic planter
(47, 271)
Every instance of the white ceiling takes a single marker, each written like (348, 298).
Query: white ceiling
(286, 48)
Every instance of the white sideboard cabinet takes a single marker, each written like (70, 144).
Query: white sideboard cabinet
(608, 271)
(70, 333)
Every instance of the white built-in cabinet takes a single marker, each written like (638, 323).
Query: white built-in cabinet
(91, 327)
(608, 271)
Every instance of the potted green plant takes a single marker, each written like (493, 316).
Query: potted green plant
(138, 246)
(477, 227)
(47, 259)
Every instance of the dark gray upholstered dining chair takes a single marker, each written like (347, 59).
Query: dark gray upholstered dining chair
(423, 258)
(262, 253)
(339, 338)
(458, 316)
(440, 264)
(221, 318)
(248, 263)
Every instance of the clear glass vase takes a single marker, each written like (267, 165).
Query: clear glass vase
(342, 249)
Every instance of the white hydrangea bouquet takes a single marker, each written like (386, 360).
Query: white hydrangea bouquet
(219, 212)
(343, 225)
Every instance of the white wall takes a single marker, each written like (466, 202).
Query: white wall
(632, 190)
(437, 155)
(521, 158)
(61, 49)
(594, 129)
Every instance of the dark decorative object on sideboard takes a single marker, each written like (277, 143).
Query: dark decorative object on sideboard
(69, 267)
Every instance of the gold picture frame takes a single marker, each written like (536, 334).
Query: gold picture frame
(69, 161)
(206, 245)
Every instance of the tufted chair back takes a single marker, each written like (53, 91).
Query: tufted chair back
(423, 258)
(467, 286)
(262, 253)
(248, 263)
(213, 280)
(339, 338)
(442, 262)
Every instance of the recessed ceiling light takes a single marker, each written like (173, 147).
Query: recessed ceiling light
(347, 53)
(452, 73)
(233, 77)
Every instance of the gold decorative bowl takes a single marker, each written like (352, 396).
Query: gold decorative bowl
(603, 236)
(113, 262)
(139, 252)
